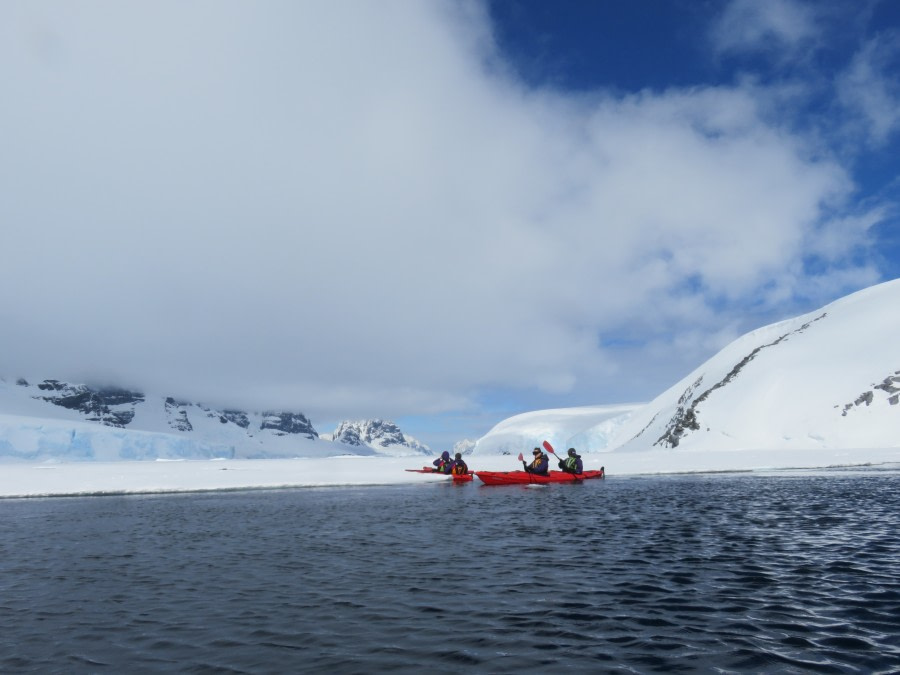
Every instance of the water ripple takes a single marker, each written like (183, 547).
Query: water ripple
(786, 574)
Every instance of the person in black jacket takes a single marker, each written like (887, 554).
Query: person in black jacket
(572, 463)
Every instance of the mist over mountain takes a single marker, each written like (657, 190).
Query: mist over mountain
(829, 379)
(52, 419)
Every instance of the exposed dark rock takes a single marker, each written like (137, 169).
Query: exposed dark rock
(686, 416)
(369, 431)
(176, 415)
(95, 404)
(237, 417)
(683, 419)
(283, 423)
(374, 432)
(22, 382)
(348, 435)
(888, 385)
(114, 406)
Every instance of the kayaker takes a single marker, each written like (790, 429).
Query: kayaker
(540, 465)
(572, 463)
(442, 464)
(459, 467)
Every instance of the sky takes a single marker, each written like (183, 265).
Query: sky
(438, 213)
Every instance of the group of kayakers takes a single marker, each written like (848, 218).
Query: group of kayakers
(540, 465)
(456, 466)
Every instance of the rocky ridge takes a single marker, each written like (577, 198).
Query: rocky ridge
(118, 407)
(377, 434)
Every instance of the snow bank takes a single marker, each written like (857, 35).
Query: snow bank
(116, 478)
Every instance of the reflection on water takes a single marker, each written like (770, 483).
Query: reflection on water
(742, 573)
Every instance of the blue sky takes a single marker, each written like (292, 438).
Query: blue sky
(440, 213)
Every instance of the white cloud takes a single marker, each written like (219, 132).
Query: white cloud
(782, 27)
(870, 88)
(352, 209)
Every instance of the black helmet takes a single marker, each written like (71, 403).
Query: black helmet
(571, 452)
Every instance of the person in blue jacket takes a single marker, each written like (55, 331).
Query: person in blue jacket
(540, 465)
(443, 464)
(572, 463)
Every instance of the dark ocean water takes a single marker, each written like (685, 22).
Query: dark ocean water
(788, 573)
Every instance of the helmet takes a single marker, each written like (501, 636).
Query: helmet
(571, 452)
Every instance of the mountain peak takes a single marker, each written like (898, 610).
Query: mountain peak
(379, 435)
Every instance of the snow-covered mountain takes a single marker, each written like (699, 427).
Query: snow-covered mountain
(381, 436)
(51, 419)
(463, 447)
(829, 379)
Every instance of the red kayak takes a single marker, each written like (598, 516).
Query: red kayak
(523, 477)
(457, 477)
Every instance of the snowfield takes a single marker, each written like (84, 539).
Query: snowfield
(116, 478)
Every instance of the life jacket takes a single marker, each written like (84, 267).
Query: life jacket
(571, 463)
(459, 468)
(540, 461)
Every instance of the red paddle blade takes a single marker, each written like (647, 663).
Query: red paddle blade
(548, 447)
(521, 458)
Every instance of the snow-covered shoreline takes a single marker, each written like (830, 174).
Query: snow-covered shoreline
(19, 480)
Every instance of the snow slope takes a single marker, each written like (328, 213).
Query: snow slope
(588, 428)
(829, 379)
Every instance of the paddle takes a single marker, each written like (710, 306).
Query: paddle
(549, 448)
(525, 466)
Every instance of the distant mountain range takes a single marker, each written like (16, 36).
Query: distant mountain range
(827, 379)
(55, 419)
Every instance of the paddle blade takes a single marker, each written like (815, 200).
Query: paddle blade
(521, 459)
(548, 447)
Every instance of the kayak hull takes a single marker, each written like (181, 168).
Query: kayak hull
(457, 478)
(525, 478)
